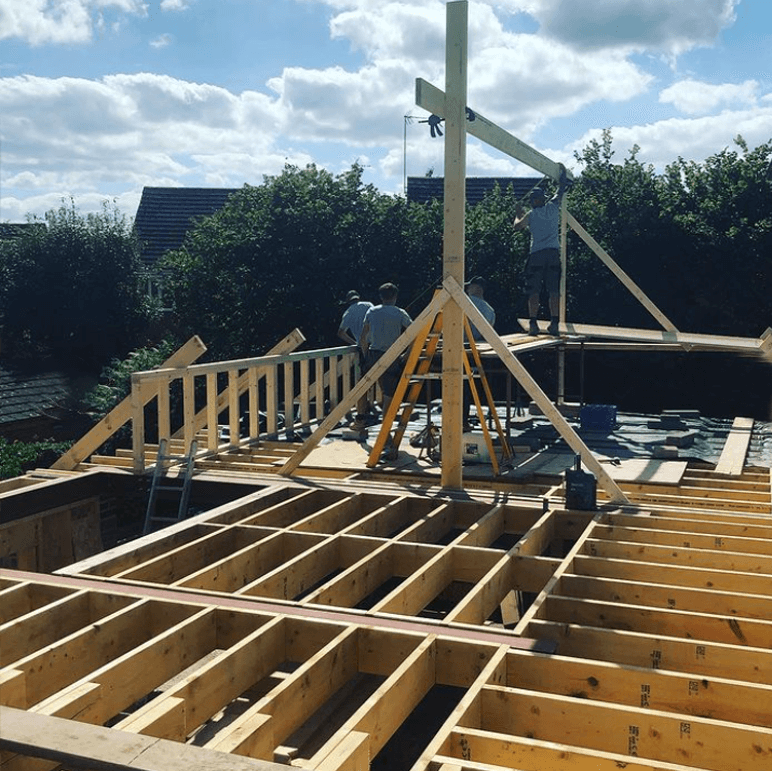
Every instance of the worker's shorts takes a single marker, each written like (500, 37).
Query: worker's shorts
(543, 265)
(388, 379)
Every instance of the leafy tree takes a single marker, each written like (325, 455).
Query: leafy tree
(498, 254)
(115, 386)
(720, 221)
(116, 377)
(284, 253)
(72, 287)
(618, 204)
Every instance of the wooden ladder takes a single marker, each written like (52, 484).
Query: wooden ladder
(416, 372)
(162, 483)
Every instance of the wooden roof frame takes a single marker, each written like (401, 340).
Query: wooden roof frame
(453, 303)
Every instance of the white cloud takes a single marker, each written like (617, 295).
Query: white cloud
(697, 98)
(73, 135)
(394, 30)
(38, 22)
(657, 25)
(662, 142)
(161, 41)
(116, 133)
(520, 80)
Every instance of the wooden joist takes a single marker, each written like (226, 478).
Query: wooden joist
(311, 622)
(101, 749)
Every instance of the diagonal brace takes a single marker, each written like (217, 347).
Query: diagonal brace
(368, 380)
(533, 389)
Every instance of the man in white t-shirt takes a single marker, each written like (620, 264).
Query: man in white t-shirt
(350, 329)
(475, 289)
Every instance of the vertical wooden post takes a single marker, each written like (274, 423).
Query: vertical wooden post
(289, 398)
(319, 383)
(254, 405)
(305, 406)
(453, 247)
(213, 438)
(563, 284)
(188, 409)
(271, 399)
(233, 408)
(164, 422)
(333, 375)
(563, 256)
(137, 424)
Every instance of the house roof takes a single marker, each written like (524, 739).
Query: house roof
(165, 214)
(15, 229)
(425, 189)
(25, 395)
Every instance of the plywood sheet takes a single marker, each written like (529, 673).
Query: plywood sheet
(647, 470)
(636, 470)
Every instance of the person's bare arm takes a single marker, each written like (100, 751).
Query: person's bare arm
(364, 343)
(521, 218)
(346, 337)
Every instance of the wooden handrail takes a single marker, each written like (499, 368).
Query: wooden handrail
(334, 373)
(121, 413)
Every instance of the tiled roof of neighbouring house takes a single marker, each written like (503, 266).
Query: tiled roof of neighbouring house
(424, 189)
(28, 394)
(165, 214)
(15, 229)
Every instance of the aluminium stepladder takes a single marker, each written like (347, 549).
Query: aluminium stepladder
(162, 483)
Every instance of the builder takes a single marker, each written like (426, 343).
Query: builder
(475, 288)
(543, 266)
(382, 326)
(350, 330)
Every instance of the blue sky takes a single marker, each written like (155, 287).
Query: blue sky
(99, 98)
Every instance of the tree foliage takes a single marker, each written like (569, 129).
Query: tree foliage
(16, 458)
(283, 254)
(71, 287)
(696, 238)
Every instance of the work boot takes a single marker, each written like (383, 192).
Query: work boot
(360, 424)
(553, 328)
(533, 328)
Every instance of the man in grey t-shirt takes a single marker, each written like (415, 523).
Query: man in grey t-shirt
(350, 330)
(384, 323)
(543, 266)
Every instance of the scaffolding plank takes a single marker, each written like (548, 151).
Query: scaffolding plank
(733, 455)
